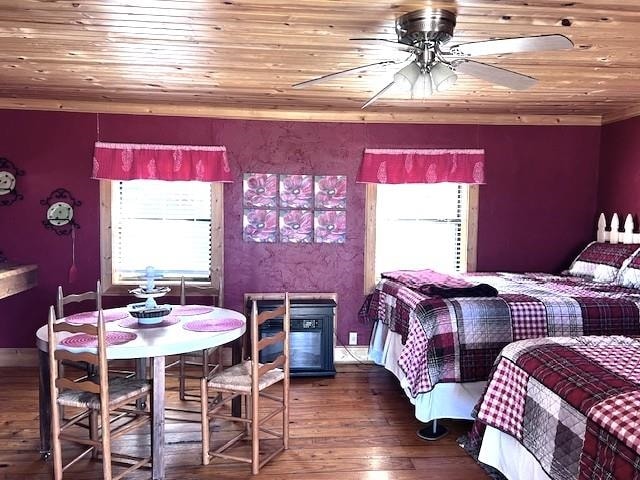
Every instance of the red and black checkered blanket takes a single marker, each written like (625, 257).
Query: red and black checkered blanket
(458, 339)
(574, 403)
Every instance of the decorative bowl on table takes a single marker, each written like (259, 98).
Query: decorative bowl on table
(148, 316)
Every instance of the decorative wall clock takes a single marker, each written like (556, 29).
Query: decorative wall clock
(8, 175)
(60, 211)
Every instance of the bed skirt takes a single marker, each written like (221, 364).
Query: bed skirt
(445, 400)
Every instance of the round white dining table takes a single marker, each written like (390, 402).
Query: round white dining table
(154, 342)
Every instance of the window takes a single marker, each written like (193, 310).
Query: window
(174, 226)
(414, 226)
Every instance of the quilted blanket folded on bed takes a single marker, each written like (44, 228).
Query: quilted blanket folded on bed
(438, 284)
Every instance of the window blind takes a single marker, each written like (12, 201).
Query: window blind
(420, 226)
(163, 224)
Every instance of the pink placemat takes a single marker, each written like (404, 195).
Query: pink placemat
(191, 309)
(213, 324)
(133, 323)
(85, 340)
(92, 317)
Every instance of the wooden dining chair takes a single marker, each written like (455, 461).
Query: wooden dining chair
(254, 382)
(108, 403)
(208, 361)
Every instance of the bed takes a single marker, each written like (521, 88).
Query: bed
(443, 349)
(564, 408)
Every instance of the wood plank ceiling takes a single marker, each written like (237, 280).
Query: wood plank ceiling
(239, 58)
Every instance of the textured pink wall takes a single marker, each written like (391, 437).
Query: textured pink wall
(619, 181)
(537, 208)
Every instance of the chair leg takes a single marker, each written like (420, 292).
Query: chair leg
(255, 435)
(248, 412)
(181, 379)
(93, 431)
(55, 442)
(285, 413)
(106, 445)
(204, 412)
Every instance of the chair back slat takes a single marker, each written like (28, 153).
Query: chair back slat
(86, 357)
(270, 314)
(83, 386)
(74, 328)
(268, 341)
(267, 367)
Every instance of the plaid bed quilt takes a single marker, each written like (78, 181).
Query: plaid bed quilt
(458, 339)
(574, 403)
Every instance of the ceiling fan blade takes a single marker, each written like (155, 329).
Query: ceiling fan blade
(500, 76)
(377, 95)
(539, 43)
(391, 43)
(329, 76)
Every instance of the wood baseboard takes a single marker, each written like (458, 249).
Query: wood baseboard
(28, 357)
(18, 357)
(351, 354)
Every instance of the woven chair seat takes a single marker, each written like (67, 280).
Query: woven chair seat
(238, 378)
(121, 389)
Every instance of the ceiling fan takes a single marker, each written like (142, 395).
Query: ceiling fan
(432, 64)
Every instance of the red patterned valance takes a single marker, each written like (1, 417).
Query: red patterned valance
(422, 166)
(132, 161)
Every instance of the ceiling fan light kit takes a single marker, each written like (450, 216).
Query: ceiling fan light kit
(432, 64)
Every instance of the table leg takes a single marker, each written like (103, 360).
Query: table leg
(157, 430)
(141, 372)
(44, 401)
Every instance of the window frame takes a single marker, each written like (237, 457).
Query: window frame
(469, 236)
(217, 244)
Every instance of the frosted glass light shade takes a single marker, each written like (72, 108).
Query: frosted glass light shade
(423, 87)
(406, 77)
(443, 77)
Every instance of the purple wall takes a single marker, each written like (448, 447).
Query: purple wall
(536, 211)
(619, 181)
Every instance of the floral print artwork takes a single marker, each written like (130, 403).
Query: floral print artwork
(330, 226)
(260, 225)
(296, 191)
(296, 226)
(260, 190)
(331, 191)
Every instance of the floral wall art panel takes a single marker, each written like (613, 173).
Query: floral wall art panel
(296, 226)
(260, 190)
(296, 191)
(331, 191)
(260, 225)
(330, 226)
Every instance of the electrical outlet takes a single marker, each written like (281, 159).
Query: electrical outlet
(353, 338)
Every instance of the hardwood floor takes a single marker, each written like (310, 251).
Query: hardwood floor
(358, 425)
